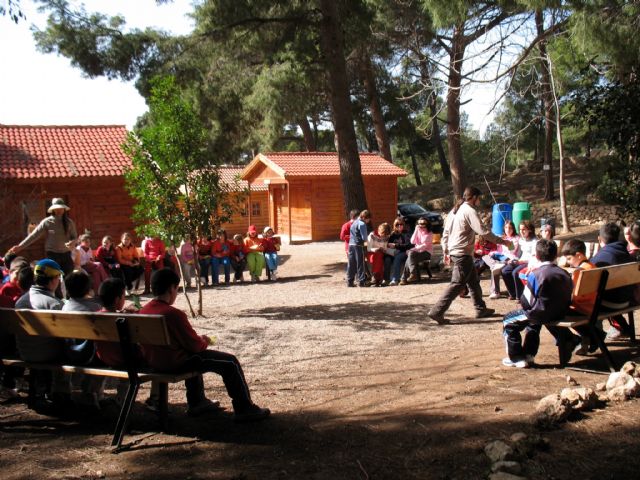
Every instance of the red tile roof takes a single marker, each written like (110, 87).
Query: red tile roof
(307, 164)
(228, 175)
(62, 151)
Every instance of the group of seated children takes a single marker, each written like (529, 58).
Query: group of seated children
(129, 263)
(393, 254)
(548, 295)
(188, 352)
(252, 252)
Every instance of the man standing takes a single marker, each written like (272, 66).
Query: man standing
(357, 238)
(458, 240)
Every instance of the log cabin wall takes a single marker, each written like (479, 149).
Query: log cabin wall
(100, 205)
(328, 207)
(259, 205)
(382, 198)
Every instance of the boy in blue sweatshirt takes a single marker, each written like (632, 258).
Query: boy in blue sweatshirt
(546, 298)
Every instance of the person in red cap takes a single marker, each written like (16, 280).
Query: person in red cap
(255, 257)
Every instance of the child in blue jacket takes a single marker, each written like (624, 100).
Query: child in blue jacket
(546, 298)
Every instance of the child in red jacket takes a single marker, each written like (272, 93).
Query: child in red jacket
(154, 251)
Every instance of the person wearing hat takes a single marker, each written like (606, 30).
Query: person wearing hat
(271, 245)
(32, 348)
(255, 257)
(60, 232)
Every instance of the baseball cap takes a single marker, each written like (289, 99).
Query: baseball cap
(47, 268)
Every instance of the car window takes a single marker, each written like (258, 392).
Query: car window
(411, 209)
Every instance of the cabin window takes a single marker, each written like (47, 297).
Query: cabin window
(256, 209)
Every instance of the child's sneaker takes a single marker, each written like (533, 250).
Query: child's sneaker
(494, 296)
(507, 362)
(274, 276)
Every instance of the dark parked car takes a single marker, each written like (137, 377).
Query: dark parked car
(411, 212)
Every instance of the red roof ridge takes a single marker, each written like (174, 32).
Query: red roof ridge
(6, 125)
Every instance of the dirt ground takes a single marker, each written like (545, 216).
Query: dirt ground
(361, 386)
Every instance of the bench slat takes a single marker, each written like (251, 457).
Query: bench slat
(101, 372)
(619, 276)
(144, 329)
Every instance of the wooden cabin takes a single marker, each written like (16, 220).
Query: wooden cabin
(84, 165)
(305, 201)
(254, 209)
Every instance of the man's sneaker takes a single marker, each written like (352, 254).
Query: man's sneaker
(403, 282)
(614, 334)
(351, 284)
(438, 318)
(413, 278)
(570, 346)
(485, 312)
(204, 406)
(494, 296)
(393, 283)
(253, 414)
(584, 347)
(507, 362)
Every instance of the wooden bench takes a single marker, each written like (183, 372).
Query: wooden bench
(598, 281)
(125, 329)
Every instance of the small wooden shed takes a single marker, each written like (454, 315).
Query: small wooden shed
(255, 209)
(84, 165)
(305, 193)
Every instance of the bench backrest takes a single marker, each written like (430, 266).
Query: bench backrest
(619, 276)
(143, 329)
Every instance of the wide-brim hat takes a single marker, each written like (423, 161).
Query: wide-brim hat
(56, 204)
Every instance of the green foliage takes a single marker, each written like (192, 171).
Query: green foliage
(615, 109)
(178, 191)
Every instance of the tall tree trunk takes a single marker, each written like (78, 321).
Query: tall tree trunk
(456, 162)
(414, 164)
(307, 134)
(369, 81)
(331, 43)
(436, 139)
(547, 96)
(566, 228)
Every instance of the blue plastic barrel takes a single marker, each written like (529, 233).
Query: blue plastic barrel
(500, 214)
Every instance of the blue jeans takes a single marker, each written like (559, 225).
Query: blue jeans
(215, 269)
(272, 261)
(356, 265)
(398, 265)
(204, 269)
(512, 280)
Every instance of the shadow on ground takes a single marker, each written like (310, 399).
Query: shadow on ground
(314, 444)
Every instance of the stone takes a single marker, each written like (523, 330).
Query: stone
(499, 451)
(583, 398)
(617, 379)
(632, 387)
(551, 410)
(617, 394)
(510, 467)
(631, 368)
(571, 380)
(505, 476)
(518, 437)
(601, 387)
